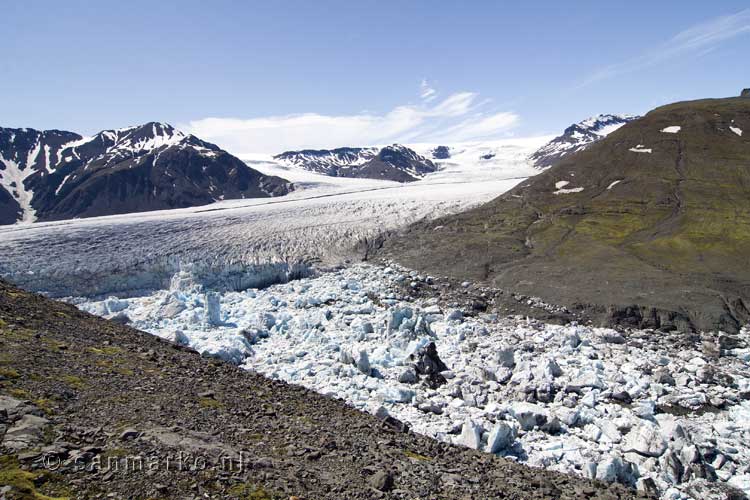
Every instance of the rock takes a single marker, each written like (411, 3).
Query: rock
(690, 455)
(572, 339)
(471, 435)
(590, 399)
(129, 434)
(501, 437)
(613, 337)
(745, 93)
(529, 415)
(427, 360)
(408, 376)
(171, 307)
(662, 376)
(647, 486)
(672, 467)
(454, 315)
(583, 380)
(622, 396)
(506, 357)
(550, 369)
(645, 439)
(609, 469)
(553, 426)
(645, 409)
(27, 432)
(382, 481)
(431, 408)
(179, 338)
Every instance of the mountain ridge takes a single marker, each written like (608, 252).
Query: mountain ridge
(52, 174)
(395, 162)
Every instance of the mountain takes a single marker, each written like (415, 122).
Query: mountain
(53, 174)
(648, 227)
(395, 162)
(577, 137)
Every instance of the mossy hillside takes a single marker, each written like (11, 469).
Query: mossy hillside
(679, 216)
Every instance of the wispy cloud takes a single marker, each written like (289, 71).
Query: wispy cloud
(460, 116)
(699, 39)
(426, 92)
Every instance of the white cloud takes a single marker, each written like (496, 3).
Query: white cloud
(460, 116)
(699, 39)
(426, 92)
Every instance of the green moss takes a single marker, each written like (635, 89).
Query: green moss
(22, 483)
(250, 491)
(72, 380)
(210, 403)
(20, 393)
(417, 456)
(105, 351)
(9, 373)
(45, 405)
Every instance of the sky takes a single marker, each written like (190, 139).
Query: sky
(265, 77)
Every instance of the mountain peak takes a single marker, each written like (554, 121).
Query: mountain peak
(578, 136)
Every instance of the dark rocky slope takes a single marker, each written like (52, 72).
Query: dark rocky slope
(645, 227)
(88, 394)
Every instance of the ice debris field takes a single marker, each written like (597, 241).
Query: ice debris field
(653, 410)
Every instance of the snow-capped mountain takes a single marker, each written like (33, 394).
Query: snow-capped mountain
(577, 137)
(50, 175)
(395, 162)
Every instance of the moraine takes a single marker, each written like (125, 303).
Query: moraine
(617, 406)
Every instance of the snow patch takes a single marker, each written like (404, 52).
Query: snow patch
(613, 184)
(671, 130)
(640, 148)
(569, 191)
(12, 179)
(736, 130)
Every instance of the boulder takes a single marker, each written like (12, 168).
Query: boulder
(408, 376)
(583, 380)
(672, 467)
(550, 369)
(572, 339)
(506, 357)
(609, 469)
(27, 432)
(427, 361)
(529, 415)
(471, 435)
(645, 439)
(382, 481)
(501, 437)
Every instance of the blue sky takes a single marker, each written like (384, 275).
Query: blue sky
(267, 76)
